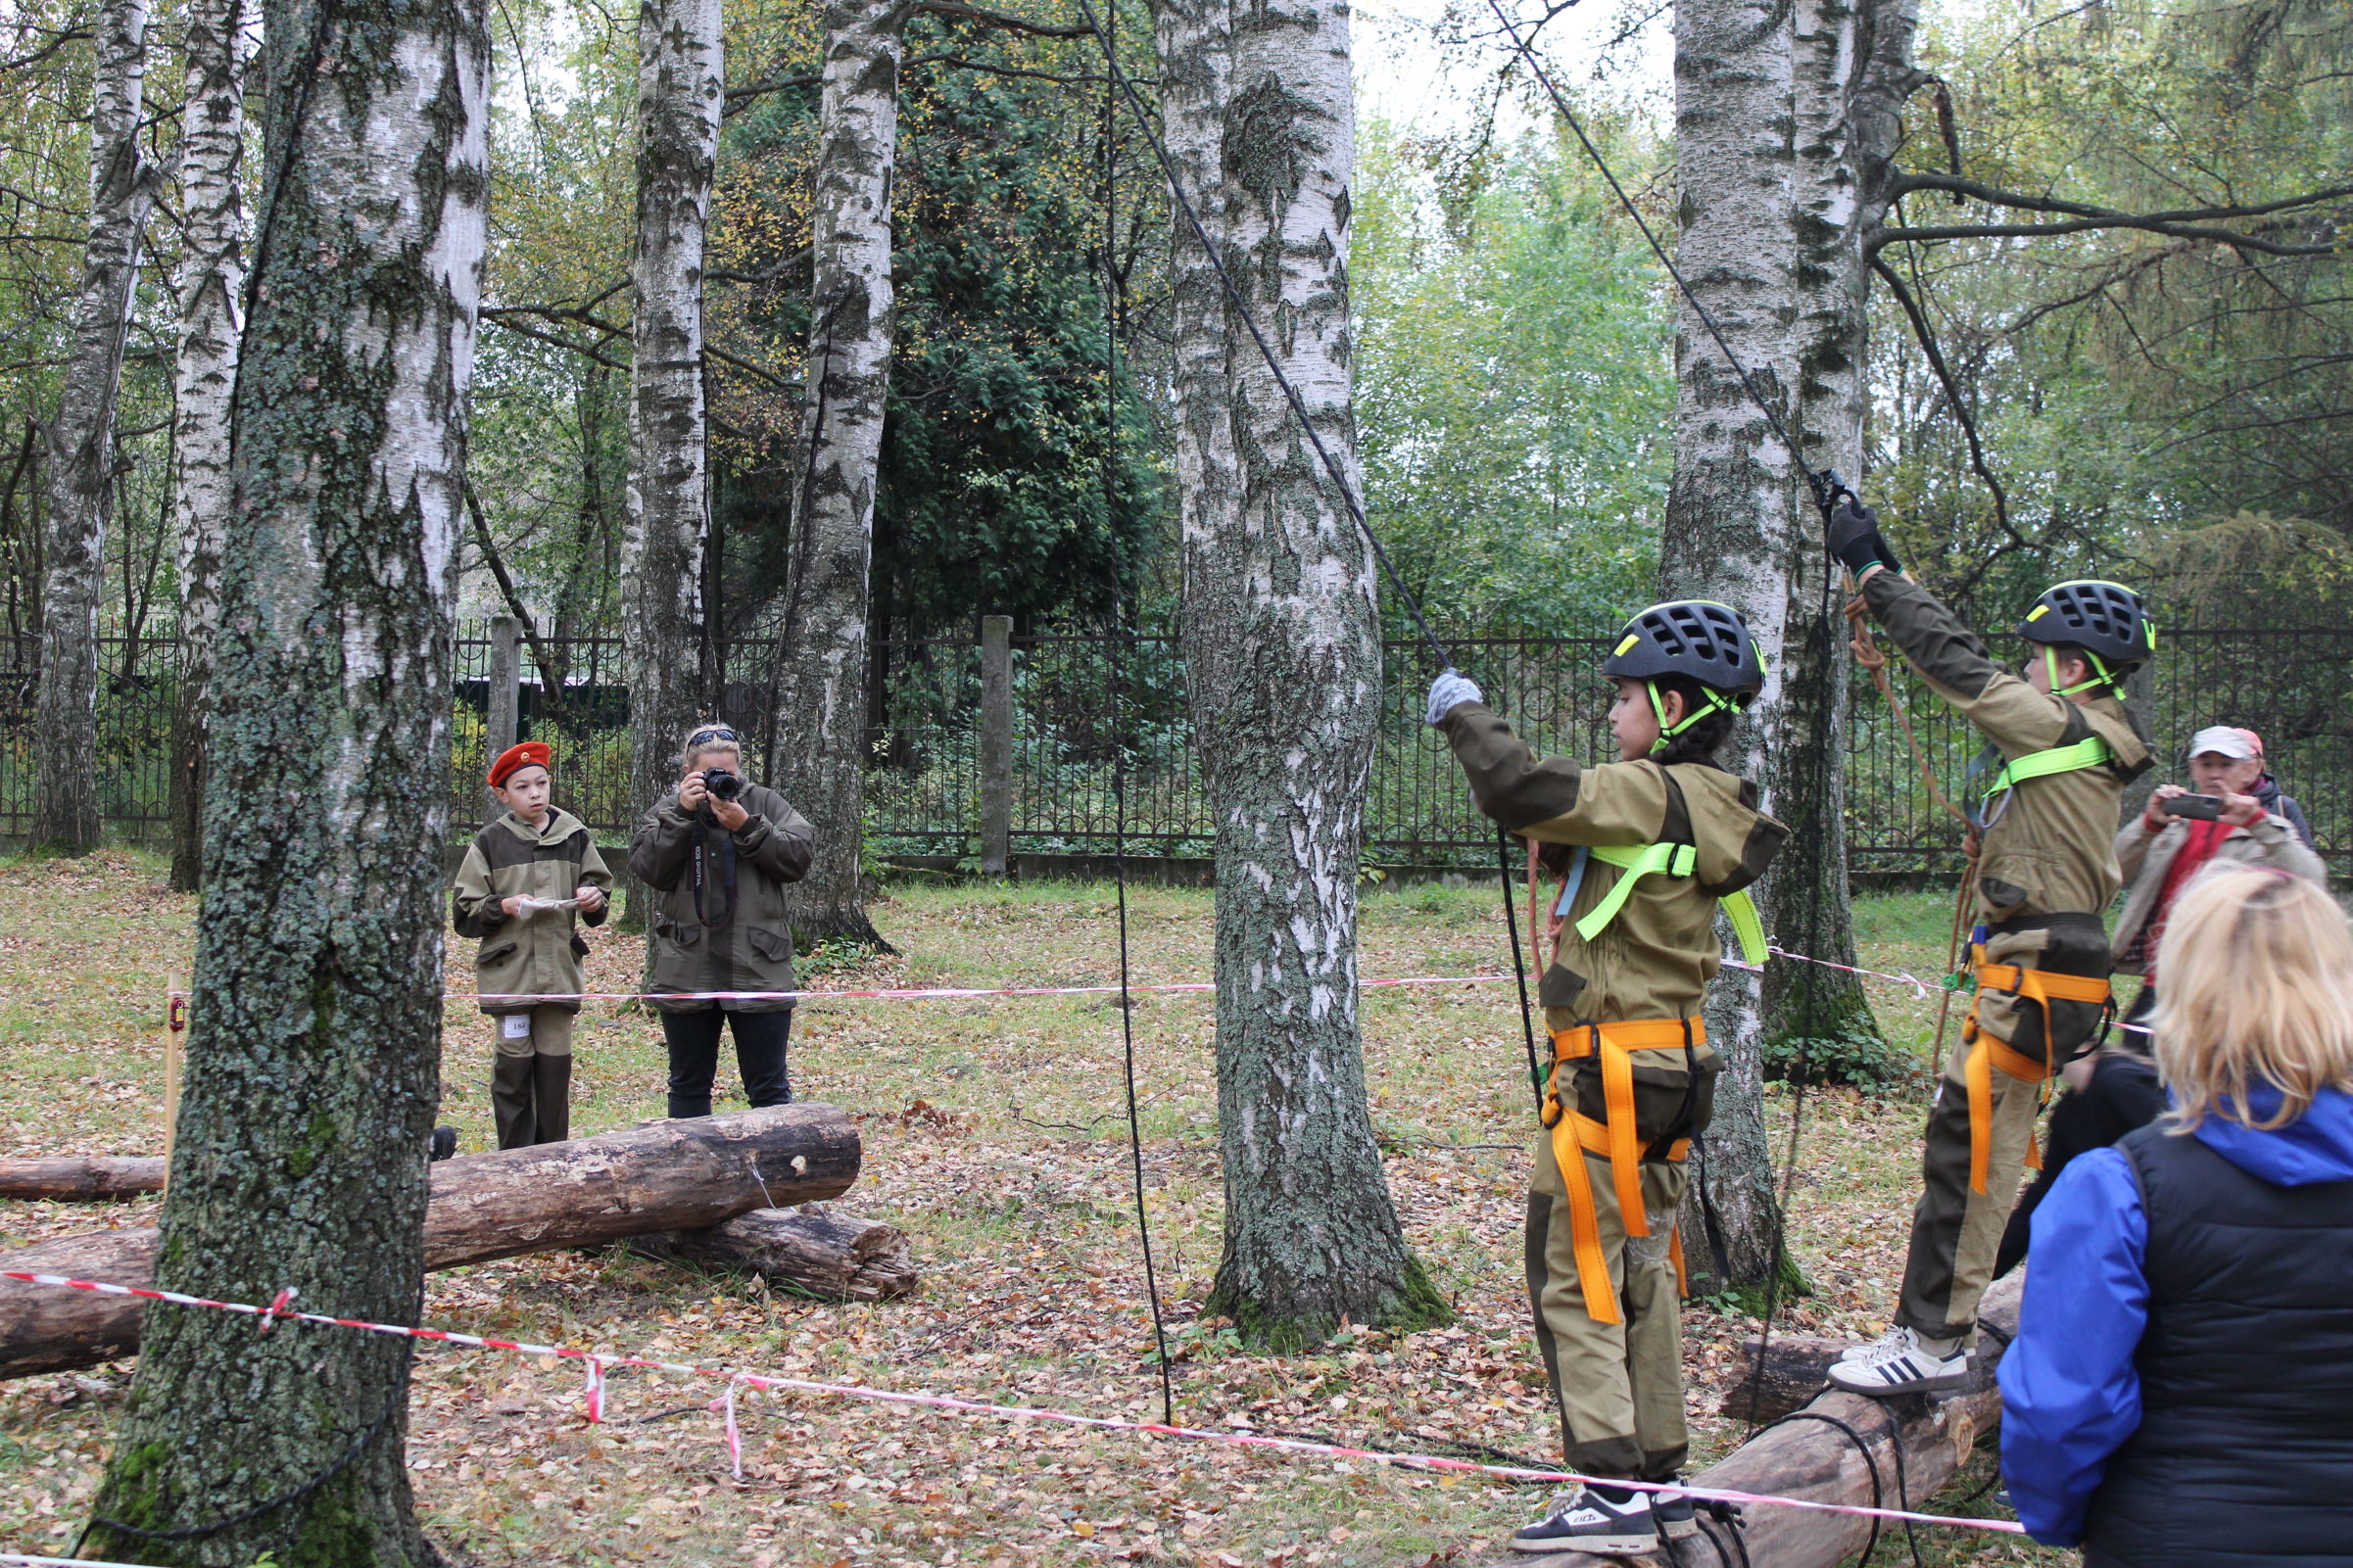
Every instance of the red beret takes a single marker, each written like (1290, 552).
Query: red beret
(529, 754)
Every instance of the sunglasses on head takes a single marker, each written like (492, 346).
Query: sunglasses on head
(717, 732)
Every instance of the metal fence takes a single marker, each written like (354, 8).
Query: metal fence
(1078, 701)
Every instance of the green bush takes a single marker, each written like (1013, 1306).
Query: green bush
(1853, 1055)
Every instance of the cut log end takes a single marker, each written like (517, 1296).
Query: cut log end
(813, 1250)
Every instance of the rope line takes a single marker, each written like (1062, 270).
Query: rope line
(601, 1360)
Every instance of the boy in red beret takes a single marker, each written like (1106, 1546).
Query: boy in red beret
(523, 882)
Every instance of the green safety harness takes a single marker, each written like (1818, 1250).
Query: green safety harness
(1637, 860)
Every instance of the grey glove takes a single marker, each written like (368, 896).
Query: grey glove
(1855, 539)
(1449, 692)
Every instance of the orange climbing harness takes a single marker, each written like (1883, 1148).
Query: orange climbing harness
(1613, 1138)
(1985, 1052)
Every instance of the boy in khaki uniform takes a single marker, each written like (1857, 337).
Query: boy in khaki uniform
(520, 883)
(2060, 749)
(1652, 844)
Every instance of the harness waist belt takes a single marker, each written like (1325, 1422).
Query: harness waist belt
(1986, 1053)
(1614, 1137)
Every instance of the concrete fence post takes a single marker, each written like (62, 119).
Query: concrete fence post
(996, 744)
(500, 715)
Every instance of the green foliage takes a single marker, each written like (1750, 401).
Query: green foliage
(1514, 384)
(1854, 1054)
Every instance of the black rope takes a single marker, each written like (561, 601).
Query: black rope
(1119, 740)
(1241, 308)
(1824, 486)
(1520, 965)
(1870, 1461)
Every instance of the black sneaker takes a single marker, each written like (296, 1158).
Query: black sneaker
(1586, 1521)
(1678, 1517)
(445, 1145)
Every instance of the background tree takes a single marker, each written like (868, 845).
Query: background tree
(81, 437)
(819, 760)
(680, 81)
(211, 312)
(313, 1061)
(1283, 655)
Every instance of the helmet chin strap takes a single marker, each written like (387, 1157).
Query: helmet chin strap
(1710, 701)
(2050, 663)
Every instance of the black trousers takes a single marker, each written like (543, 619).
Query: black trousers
(2123, 1096)
(694, 1041)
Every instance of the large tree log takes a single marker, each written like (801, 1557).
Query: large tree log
(1816, 1462)
(81, 1178)
(811, 1249)
(671, 1175)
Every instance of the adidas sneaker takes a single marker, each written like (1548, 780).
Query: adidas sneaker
(1903, 1362)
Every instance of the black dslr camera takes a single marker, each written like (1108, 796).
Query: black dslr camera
(722, 785)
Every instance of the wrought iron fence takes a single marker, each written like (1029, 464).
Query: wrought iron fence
(1082, 702)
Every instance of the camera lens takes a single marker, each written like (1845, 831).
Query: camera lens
(722, 785)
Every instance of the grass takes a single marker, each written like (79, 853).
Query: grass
(995, 1134)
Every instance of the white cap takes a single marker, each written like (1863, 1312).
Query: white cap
(2222, 740)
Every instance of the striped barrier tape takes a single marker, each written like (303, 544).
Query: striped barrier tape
(596, 1364)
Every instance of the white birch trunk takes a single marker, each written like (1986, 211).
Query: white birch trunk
(313, 1067)
(1736, 518)
(211, 306)
(681, 83)
(820, 690)
(1283, 661)
(81, 438)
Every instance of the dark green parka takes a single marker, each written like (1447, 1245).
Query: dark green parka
(719, 912)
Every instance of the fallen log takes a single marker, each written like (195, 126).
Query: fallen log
(81, 1178)
(1816, 1462)
(667, 1175)
(812, 1250)
(1796, 1366)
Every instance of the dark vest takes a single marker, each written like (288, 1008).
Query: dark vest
(2243, 1457)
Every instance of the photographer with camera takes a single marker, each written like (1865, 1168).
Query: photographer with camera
(717, 851)
(2222, 820)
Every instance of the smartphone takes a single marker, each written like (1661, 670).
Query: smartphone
(2206, 808)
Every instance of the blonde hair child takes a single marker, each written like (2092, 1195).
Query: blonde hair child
(2258, 970)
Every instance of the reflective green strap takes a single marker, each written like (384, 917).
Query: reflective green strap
(1747, 924)
(1633, 862)
(2089, 752)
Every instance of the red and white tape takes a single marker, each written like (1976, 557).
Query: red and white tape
(596, 1364)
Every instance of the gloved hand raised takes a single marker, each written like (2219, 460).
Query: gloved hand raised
(1855, 539)
(1450, 691)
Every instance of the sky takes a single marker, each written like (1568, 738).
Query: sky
(1406, 76)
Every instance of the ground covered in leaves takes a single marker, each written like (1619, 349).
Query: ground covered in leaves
(995, 1135)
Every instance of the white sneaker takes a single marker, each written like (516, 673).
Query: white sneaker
(1900, 1363)
(1877, 1348)
(1583, 1521)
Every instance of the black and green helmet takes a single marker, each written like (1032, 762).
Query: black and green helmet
(2107, 620)
(1695, 638)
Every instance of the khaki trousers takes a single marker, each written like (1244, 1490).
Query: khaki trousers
(1618, 1387)
(531, 1077)
(1957, 1231)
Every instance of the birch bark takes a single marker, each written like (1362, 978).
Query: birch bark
(679, 86)
(313, 1063)
(81, 438)
(212, 302)
(1283, 660)
(819, 761)
(1735, 522)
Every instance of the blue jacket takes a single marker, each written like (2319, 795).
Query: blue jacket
(2070, 1393)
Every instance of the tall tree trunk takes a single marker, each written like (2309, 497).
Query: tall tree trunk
(81, 438)
(680, 87)
(313, 1065)
(819, 761)
(1284, 658)
(211, 293)
(1733, 516)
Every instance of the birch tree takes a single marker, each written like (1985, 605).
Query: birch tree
(820, 694)
(313, 1061)
(81, 437)
(1737, 511)
(1283, 659)
(681, 84)
(212, 305)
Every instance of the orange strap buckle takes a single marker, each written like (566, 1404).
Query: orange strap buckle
(1575, 1134)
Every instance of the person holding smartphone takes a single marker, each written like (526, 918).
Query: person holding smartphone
(2179, 833)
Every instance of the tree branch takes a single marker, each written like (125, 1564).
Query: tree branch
(499, 317)
(2184, 222)
(1953, 392)
(514, 600)
(958, 10)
